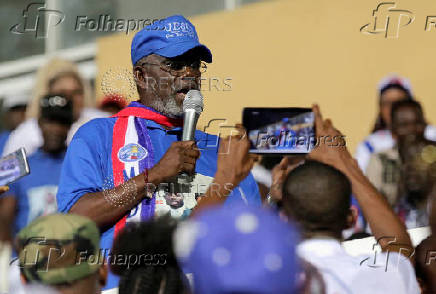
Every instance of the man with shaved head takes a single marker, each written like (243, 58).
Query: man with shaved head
(317, 195)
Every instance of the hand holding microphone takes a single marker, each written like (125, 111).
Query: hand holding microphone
(180, 158)
(192, 108)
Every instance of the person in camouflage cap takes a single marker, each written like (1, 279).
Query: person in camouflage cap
(62, 250)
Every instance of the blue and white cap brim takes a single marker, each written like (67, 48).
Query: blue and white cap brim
(181, 48)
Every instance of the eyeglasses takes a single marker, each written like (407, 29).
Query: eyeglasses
(177, 68)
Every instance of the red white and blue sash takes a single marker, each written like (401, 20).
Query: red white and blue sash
(132, 152)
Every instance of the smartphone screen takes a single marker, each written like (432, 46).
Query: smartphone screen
(13, 166)
(280, 130)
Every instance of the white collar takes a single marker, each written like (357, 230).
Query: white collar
(320, 247)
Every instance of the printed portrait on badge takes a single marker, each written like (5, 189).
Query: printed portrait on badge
(177, 204)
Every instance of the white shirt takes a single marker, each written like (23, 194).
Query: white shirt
(343, 273)
(34, 289)
(262, 175)
(16, 286)
(380, 141)
(29, 136)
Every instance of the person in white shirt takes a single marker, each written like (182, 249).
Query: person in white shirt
(62, 78)
(317, 195)
(391, 89)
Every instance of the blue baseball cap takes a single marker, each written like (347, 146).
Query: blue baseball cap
(169, 37)
(238, 249)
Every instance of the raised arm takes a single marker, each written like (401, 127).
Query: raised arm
(385, 225)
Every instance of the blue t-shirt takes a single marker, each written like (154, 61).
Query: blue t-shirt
(88, 167)
(4, 136)
(36, 192)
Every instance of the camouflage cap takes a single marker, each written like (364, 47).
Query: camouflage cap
(58, 249)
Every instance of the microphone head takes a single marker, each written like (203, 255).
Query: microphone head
(193, 100)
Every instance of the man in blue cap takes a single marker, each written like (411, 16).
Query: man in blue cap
(112, 162)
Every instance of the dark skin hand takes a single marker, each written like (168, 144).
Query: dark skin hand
(234, 164)
(279, 173)
(180, 157)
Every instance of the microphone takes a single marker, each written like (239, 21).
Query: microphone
(192, 108)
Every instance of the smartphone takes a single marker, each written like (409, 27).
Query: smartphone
(13, 167)
(280, 131)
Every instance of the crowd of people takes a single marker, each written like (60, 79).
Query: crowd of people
(104, 208)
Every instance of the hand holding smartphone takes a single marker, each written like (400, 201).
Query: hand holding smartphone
(280, 131)
(13, 167)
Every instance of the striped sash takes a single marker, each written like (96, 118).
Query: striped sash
(132, 153)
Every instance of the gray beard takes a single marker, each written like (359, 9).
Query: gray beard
(168, 107)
